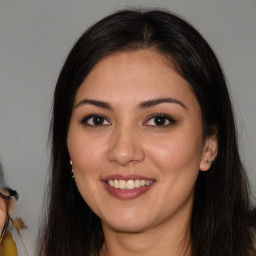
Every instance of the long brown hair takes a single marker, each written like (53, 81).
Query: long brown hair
(222, 220)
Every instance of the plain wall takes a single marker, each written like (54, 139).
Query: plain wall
(35, 37)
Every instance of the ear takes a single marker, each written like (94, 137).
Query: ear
(210, 151)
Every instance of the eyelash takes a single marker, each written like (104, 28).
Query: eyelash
(163, 117)
(93, 116)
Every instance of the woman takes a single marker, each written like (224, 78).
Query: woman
(7, 244)
(142, 121)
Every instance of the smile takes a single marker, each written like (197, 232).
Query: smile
(129, 184)
(127, 187)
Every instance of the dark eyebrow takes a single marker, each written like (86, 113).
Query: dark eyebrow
(154, 102)
(142, 105)
(96, 103)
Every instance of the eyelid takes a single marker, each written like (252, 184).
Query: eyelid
(167, 117)
(162, 115)
(86, 118)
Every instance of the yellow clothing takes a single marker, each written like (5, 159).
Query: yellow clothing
(8, 246)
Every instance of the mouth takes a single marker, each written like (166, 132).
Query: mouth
(129, 184)
(127, 187)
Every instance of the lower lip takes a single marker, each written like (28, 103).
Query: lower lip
(127, 194)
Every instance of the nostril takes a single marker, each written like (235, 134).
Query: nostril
(125, 147)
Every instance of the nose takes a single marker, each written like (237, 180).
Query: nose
(125, 147)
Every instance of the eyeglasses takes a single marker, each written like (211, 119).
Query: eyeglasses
(7, 218)
(7, 199)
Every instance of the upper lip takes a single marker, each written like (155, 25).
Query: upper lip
(126, 177)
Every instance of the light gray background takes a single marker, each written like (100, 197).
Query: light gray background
(35, 37)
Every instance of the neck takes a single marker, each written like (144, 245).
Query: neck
(170, 238)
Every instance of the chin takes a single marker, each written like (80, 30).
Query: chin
(127, 227)
(127, 224)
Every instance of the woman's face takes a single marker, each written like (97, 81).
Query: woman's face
(136, 143)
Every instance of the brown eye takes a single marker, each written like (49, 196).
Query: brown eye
(95, 120)
(160, 120)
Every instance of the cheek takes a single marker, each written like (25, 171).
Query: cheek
(86, 153)
(87, 156)
(176, 152)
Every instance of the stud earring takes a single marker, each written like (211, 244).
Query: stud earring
(209, 162)
(72, 169)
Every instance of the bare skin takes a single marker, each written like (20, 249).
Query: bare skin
(135, 115)
(2, 213)
(3, 209)
(166, 239)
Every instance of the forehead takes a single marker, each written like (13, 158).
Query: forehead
(134, 76)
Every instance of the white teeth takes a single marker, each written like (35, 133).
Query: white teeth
(116, 184)
(111, 183)
(129, 184)
(137, 183)
(122, 184)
